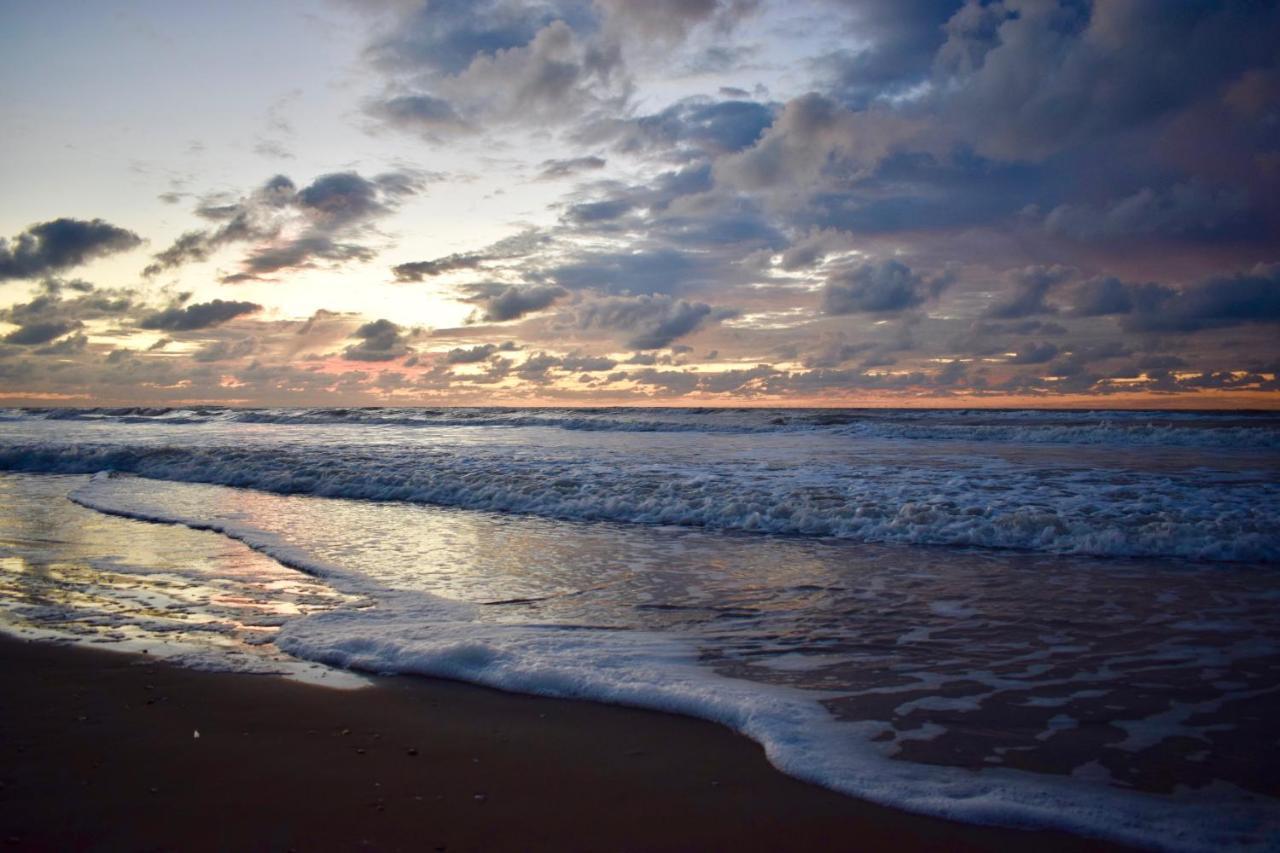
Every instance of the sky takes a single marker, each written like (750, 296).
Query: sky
(612, 202)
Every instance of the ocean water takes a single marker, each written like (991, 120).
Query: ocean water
(1028, 618)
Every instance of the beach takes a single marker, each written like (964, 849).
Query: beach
(99, 752)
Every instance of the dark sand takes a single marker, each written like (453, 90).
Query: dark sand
(97, 753)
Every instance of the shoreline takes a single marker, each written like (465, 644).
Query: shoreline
(99, 751)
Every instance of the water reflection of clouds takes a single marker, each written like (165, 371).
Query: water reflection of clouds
(68, 572)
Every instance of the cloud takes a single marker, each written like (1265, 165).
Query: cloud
(495, 62)
(552, 170)
(324, 220)
(51, 313)
(899, 39)
(258, 216)
(1219, 301)
(41, 332)
(379, 340)
(695, 125)
(341, 198)
(68, 346)
(1030, 287)
(653, 271)
(648, 321)
(671, 20)
(478, 353)
(449, 35)
(298, 254)
(60, 244)
(579, 363)
(525, 243)
(1101, 296)
(598, 211)
(426, 115)
(1034, 353)
(813, 139)
(226, 350)
(1183, 209)
(1028, 79)
(498, 303)
(878, 288)
(198, 316)
(418, 270)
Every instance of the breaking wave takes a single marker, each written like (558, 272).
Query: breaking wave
(1065, 511)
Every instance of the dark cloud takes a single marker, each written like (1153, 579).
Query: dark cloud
(201, 315)
(498, 303)
(555, 169)
(835, 351)
(71, 345)
(425, 115)
(1161, 362)
(656, 271)
(877, 288)
(1034, 353)
(299, 254)
(697, 125)
(380, 340)
(478, 353)
(1030, 79)
(61, 307)
(61, 244)
(578, 363)
(1229, 300)
(537, 368)
(899, 40)
(418, 270)
(341, 198)
(598, 211)
(649, 321)
(1183, 209)
(1099, 297)
(1030, 287)
(520, 245)
(34, 333)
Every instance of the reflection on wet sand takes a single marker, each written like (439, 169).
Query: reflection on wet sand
(70, 573)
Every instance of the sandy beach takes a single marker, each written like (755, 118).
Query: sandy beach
(100, 753)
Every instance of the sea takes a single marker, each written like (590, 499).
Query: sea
(1029, 618)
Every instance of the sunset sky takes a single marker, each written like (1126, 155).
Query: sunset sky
(668, 202)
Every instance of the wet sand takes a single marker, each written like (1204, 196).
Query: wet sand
(98, 752)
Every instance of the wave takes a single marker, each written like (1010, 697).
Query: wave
(1123, 428)
(1082, 511)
